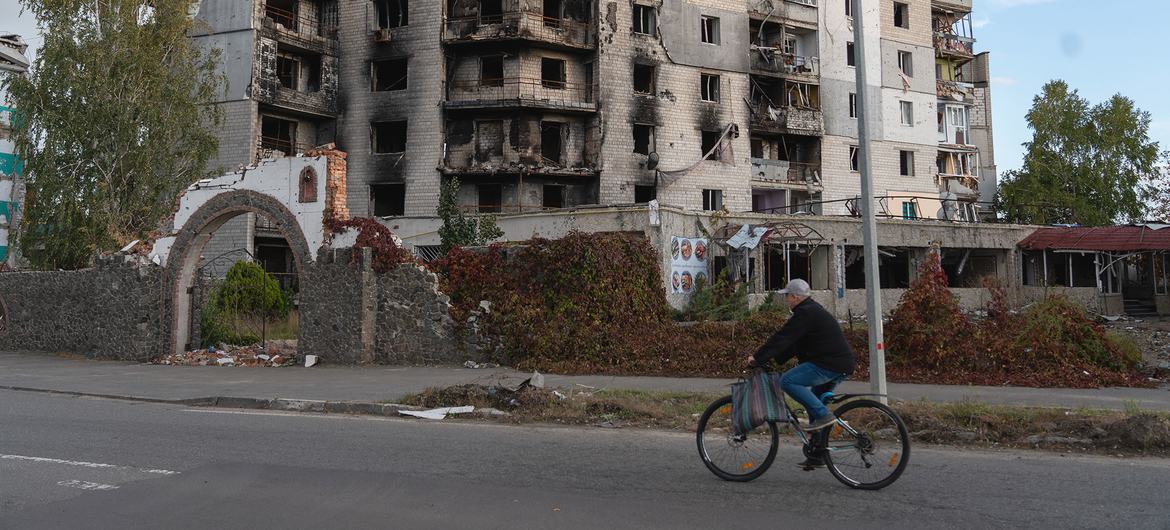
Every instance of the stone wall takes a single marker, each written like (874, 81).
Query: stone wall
(112, 311)
(350, 314)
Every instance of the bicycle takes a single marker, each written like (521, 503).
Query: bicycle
(867, 448)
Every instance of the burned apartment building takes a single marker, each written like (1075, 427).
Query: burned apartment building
(744, 105)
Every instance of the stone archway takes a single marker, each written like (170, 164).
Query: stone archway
(192, 237)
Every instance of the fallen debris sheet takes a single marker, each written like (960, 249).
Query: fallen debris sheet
(438, 414)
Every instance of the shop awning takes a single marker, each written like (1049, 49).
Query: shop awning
(1131, 238)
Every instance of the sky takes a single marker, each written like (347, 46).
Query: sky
(1099, 48)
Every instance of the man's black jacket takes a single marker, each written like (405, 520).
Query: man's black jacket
(813, 335)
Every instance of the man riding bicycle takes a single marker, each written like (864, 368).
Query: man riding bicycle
(814, 337)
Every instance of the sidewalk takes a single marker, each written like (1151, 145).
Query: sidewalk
(378, 384)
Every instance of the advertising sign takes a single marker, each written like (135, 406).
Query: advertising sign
(688, 263)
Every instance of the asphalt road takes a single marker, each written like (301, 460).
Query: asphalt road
(70, 462)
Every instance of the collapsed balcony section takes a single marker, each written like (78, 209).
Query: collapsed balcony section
(953, 32)
(286, 134)
(786, 173)
(509, 78)
(795, 13)
(295, 79)
(779, 49)
(558, 24)
(310, 25)
(782, 106)
(521, 143)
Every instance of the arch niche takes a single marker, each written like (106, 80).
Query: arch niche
(192, 238)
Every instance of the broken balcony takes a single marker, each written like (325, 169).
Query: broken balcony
(953, 35)
(956, 90)
(799, 13)
(786, 172)
(958, 171)
(521, 92)
(799, 67)
(787, 120)
(286, 23)
(519, 25)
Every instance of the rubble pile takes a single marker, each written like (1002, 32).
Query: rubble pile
(274, 355)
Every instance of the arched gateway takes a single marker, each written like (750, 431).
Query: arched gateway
(276, 190)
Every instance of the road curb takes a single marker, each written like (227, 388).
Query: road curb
(233, 402)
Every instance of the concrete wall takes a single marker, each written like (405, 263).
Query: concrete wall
(113, 311)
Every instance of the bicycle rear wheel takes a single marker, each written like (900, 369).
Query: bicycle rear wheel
(729, 456)
(868, 447)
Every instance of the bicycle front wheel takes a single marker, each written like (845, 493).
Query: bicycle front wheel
(730, 456)
(868, 447)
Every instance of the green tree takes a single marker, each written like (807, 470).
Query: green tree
(114, 120)
(459, 230)
(1086, 164)
(1156, 191)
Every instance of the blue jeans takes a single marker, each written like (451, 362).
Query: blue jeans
(800, 382)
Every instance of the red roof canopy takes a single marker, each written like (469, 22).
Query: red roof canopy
(1104, 238)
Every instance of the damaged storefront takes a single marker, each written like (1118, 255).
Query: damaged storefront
(1128, 267)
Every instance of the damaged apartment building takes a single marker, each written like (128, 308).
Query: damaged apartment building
(537, 105)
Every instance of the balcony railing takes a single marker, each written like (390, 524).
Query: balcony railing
(800, 11)
(787, 120)
(320, 103)
(269, 146)
(520, 92)
(317, 33)
(786, 64)
(786, 172)
(519, 25)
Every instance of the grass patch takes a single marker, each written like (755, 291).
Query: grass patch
(966, 423)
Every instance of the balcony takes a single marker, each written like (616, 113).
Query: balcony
(954, 90)
(800, 13)
(520, 25)
(520, 92)
(798, 67)
(320, 103)
(785, 172)
(787, 120)
(270, 147)
(962, 6)
(954, 46)
(311, 34)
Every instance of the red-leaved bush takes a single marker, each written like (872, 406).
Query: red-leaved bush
(375, 236)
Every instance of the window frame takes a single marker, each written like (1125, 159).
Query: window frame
(647, 20)
(905, 163)
(906, 113)
(709, 30)
(709, 87)
(906, 62)
(855, 158)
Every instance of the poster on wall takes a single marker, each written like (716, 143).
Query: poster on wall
(688, 263)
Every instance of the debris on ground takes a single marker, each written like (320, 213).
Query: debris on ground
(438, 414)
(274, 355)
(475, 365)
(310, 361)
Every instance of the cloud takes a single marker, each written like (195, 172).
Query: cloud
(1007, 4)
(980, 22)
(1004, 81)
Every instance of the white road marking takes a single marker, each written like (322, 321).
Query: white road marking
(42, 460)
(89, 486)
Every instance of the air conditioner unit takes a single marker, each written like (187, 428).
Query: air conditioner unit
(383, 35)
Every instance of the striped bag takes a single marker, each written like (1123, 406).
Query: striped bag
(755, 400)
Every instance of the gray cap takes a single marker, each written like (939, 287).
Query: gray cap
(796, 287)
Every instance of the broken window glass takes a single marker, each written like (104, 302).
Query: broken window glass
(644, 79)
(390, 137)
(491, 198)
(388, 200)
(491, 70)
(901, 15)
(392, 13)
(643, 139)
(709, 27)
(554, 196)
(710, 87)
(644, 20)
(390, 74)
(711, 140)
(552, 73)
(551, 136)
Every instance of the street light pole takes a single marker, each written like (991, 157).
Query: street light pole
(877, 353)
